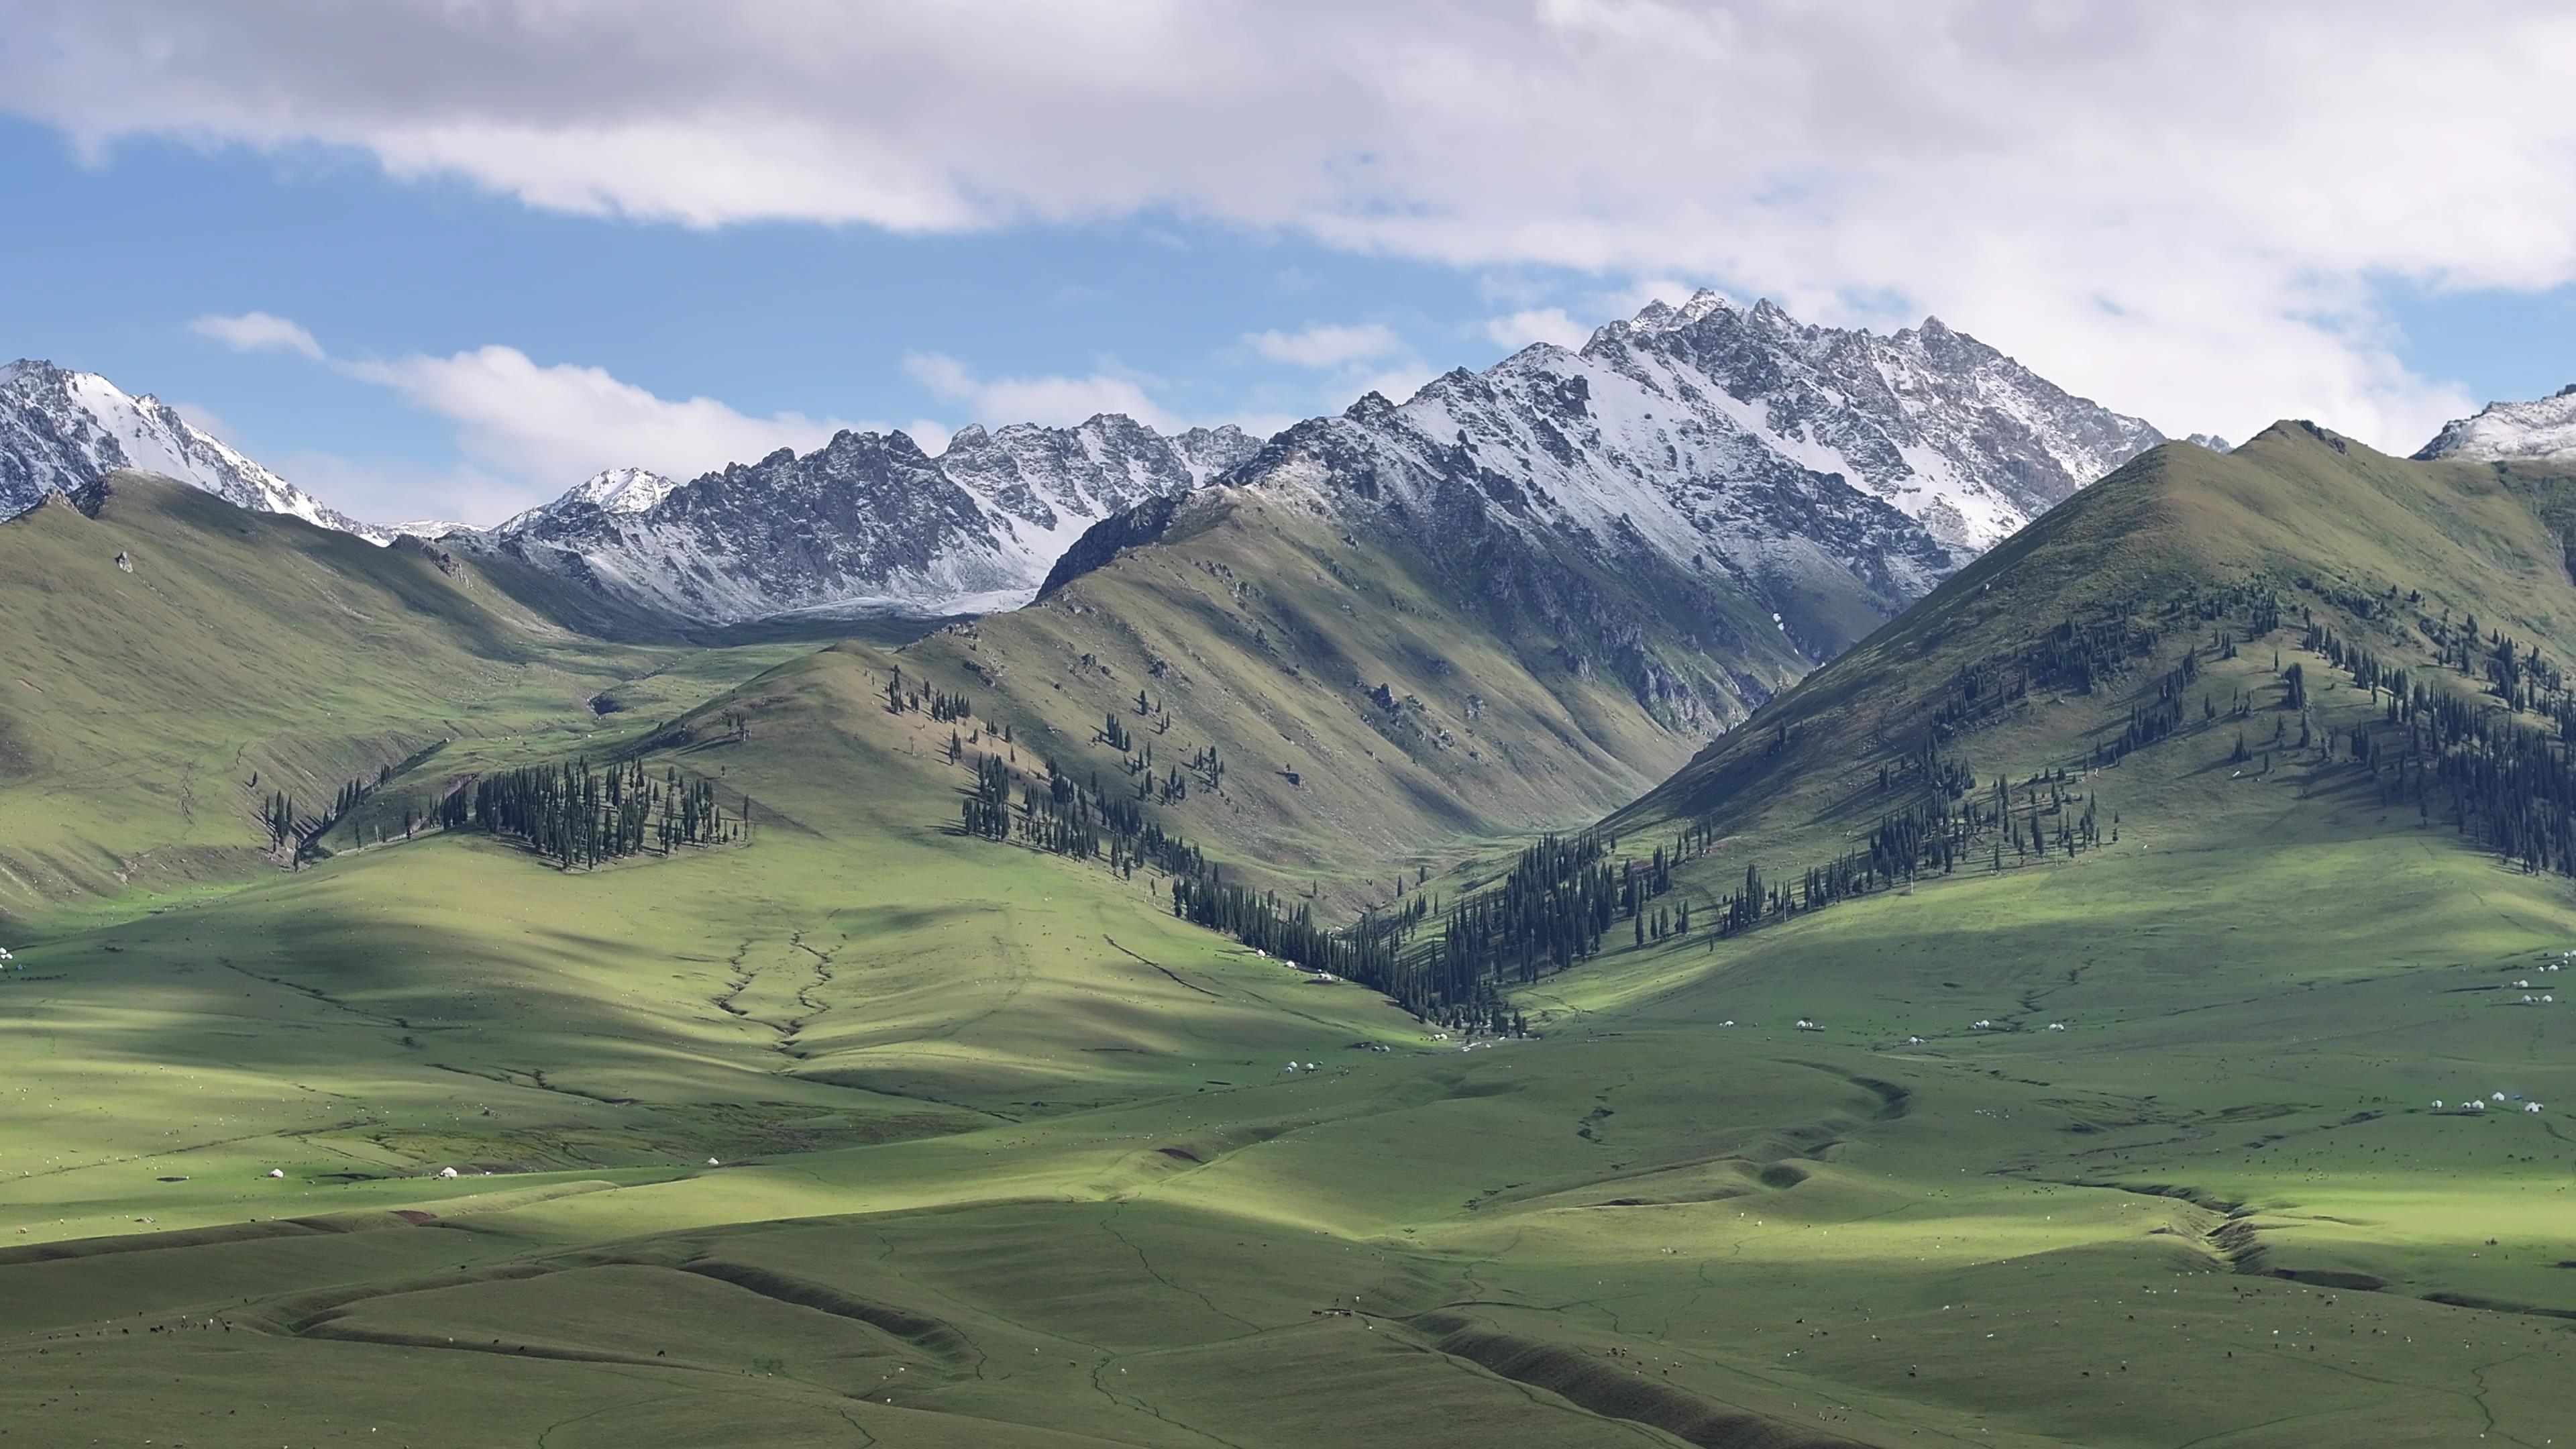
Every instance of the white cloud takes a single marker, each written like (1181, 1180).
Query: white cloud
(257, 332)
(1395, 384)
(1542, 324)
(558, 424)
(204, 419)
(2182, 208)
(1326, 344)
(1056, 401)
(528, 430)
(384, 491)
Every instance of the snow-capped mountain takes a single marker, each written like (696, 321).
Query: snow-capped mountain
(1733, 444)
(62, 430)
(2545, 428)
(1734, 436)
(868, 523)
(1952, 432)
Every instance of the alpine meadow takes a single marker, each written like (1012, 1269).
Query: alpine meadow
(1724, 880)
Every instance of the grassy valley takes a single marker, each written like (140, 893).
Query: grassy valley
(855, 1128)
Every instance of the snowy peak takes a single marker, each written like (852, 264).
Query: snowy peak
(1951, 431)
(1735, 447)
(867, 523)
(2544, 428)
(62, 430)
(625, 490)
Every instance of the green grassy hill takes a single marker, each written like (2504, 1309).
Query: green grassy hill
(1005, 1154)
(2326, 526)
(147, 712)
(1372, 710)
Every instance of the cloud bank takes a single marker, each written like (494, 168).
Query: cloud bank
(2186, 209)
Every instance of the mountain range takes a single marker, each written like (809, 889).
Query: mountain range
(1714, 436)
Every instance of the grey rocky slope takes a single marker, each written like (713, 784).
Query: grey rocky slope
(2543, 428)
(868, 523)
(62, 430)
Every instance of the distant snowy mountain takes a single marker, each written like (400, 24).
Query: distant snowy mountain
(2501, 431)
(62, 430)
(868, 523)
(419, 528)
(1710, 436)
(1711, 431)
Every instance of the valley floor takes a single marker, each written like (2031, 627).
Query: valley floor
(1003, 1154)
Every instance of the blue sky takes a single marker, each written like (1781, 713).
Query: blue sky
(484, 250)
(767, 317)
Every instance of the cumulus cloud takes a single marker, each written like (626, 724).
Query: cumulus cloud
(257, 332)
(528, 430)
(386, 491)
(1056, 401)
(1541, 324)
(1326, 344)
(2185, 208)
(559, 423)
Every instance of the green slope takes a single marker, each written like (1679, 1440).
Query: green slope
(138, 705)
(2320, 522)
